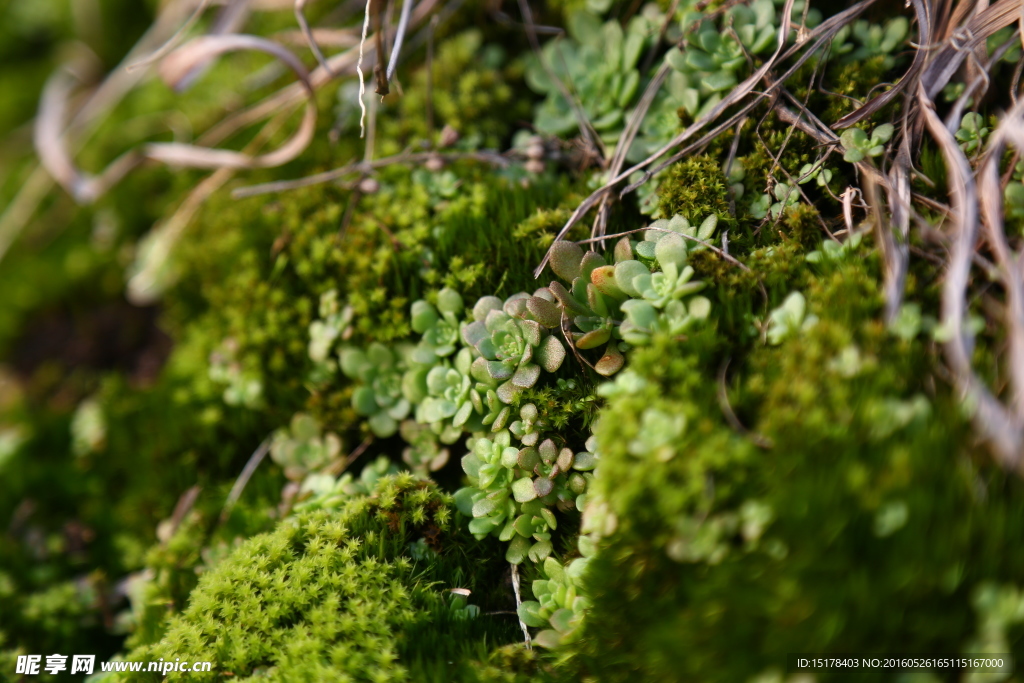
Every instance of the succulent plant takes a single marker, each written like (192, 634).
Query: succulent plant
(423, 454)
(951, 92)
(1000, 38)
(512, 350)
(1014, 199)
(601, 295)
(661, 288)
(858, 145)
(835, 251)
(816, 172)
(488, 501)
(714, 59)
(327, 492)
(244, 387)
(677, 248)
(560, 604)
(592, 302)
(450, 392)
(787, 196)
(647, 197)
(496, 413)
(459, 607)
(598, 62)
(529, 425)
(332, 324)
(736, 173)
(659, 434)
(643, 320)
(438, 326)
(512, 490)
(756, 25)
(659, 126)
(865, 41)
(710, 64)
(789, 319)
(760, 206)
(972, 132)
(877, 40)
(303, 446)
(710, 538)
(379, 396)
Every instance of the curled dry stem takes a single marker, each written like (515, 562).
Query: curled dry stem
(51, 143)
(1002, 429)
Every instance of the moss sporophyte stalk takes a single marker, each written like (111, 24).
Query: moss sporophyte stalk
(349, 429)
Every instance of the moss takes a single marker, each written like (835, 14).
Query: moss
(473, 88)
(852, 80)
(337, 594)
(695, 188)
(825, 540)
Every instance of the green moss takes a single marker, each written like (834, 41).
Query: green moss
(852, 80)
(823, 541)
(337, 594)
(695, 188)
(472, 91)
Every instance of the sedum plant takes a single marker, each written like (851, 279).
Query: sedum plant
(560, 603)
(870, 41)
(661, 229)
(451, 392)
(334, 321)
(327, 492)
(529, 426)
(877, 40)
(379, 396)
(512, 491)
(591, 303)
(643, 320)
(1013, 197)
(713, 61)
(510, 350)
(783, 196)
(789, 319)
(439, 326)
(972, 132)
(649, 302)
(816, 172)
(832, 250)
(627, 301)
(598, 64)
(460, 376)
(244, 388)
(424, 453)
(459, 608)
(859, 146)
(303, 447)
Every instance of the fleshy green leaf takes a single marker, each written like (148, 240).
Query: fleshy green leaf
(523, 490)
(517, 550)
(548, 639)
(566, 258)
(624, 274)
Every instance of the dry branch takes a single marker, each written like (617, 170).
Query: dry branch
(1002, 429)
